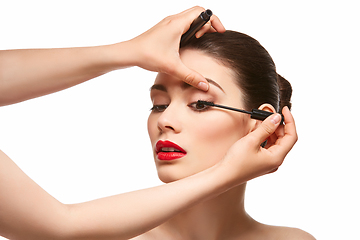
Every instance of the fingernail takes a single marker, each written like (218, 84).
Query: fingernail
(203, 86)
(275, 119)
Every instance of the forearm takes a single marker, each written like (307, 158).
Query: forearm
(130, 214)
(29, 212)
(26, 210)
(30, 73)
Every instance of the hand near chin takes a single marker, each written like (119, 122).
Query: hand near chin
(247, 160)
(158, 48)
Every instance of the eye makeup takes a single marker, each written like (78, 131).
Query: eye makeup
(254, 114)
(197, 106)
(158, 108)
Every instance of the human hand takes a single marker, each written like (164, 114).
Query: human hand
(246, 160)
(158, 48)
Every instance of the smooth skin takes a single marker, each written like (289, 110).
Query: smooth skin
(206, 134)
(30, 73)
(29, 212)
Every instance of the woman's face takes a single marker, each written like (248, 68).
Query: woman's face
(188, 137)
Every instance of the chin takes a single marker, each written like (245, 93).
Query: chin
(167, 180)
(168, 174)
(168, 177)
(174, 171)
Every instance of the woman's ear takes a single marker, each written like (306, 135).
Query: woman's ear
(265, 107)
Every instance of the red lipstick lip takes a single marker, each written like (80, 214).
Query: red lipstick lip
(168, 155)
(160, 144)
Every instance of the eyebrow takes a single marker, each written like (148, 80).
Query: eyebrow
(185, 85)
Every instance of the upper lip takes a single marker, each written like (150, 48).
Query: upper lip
(161, 144)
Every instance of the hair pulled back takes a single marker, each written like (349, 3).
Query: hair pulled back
(254, 69)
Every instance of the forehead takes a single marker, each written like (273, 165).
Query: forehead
(215, 72)
(184, 85)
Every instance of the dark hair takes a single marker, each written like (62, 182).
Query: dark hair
(254, 69)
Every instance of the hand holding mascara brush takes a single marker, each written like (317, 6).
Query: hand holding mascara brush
(254, 114)
(196, 25)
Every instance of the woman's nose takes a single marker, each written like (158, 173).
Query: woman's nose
(169, 120)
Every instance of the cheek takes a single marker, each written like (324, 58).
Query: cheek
(217, 134)
(152, 128)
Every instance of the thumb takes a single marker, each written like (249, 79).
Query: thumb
(266, 128)
(191, 77)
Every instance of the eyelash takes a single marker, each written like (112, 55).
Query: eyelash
(161, 108)
(156, 108)
(203, 107)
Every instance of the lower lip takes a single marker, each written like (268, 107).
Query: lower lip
(168, 156)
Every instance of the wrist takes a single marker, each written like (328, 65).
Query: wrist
(221, 177)
(229, 174)
(118, 55)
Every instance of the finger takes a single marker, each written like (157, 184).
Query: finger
(266, 129)
(271, 141)
(206, 28)
(284, 145)
(216, 24)
(280, 132)
(189, 15)
(290, 134)
(212, 26)
(189, 76)
(193, 9)
(289, 119)
(275, 137)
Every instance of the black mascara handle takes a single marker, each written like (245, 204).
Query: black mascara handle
(262, 115)
(195, 26)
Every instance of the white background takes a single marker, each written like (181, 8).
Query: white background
(91, 141)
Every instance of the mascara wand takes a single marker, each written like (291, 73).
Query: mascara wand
(254, 114)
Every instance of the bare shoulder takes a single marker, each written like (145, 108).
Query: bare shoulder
(297, 234)
(262, 231)
(290, 233)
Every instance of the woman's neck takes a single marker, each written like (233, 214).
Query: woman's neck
(219, 218)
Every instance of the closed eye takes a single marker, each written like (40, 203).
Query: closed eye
(159, 108)
(196, 106)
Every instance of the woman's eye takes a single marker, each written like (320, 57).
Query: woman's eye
(159, 108)
(199, 106)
